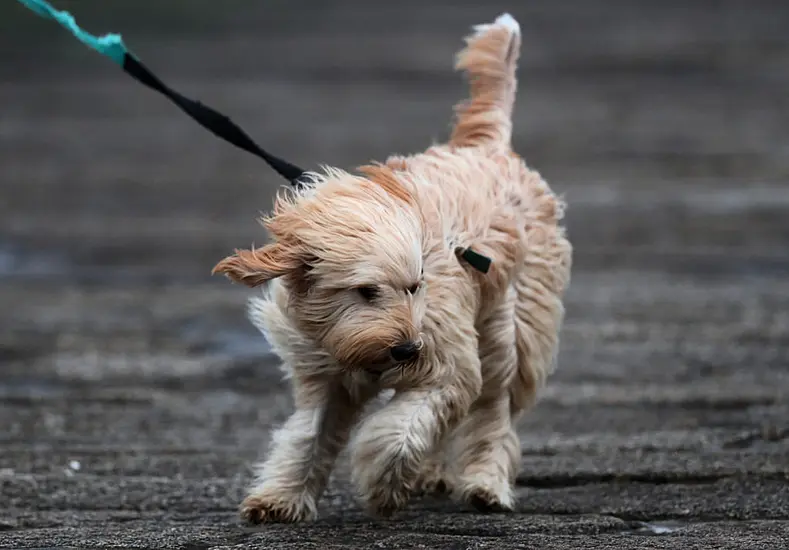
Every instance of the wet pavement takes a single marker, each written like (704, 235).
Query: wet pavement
(134, 395)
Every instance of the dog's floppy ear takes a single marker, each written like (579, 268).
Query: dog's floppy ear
(255, 267)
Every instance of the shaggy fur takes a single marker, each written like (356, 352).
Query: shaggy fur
(359, 264)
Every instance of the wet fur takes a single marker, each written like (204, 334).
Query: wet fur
(488, 340)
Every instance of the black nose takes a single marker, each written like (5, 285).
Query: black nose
(404, 352)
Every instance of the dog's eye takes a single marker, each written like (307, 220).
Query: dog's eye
(367, 292)
(413, 288)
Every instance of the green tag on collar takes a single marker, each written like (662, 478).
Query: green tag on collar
(474, 259)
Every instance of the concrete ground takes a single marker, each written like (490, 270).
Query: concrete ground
(134, 395)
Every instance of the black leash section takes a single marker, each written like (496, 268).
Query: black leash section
(223, 127)
(215, 122)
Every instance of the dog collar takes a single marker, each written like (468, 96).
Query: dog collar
(112, 46)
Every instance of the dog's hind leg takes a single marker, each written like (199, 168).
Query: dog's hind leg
(539, 313)
(484, 450)
(489, 61)
(488, 456)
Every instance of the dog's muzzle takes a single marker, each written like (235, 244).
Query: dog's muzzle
(405, 352)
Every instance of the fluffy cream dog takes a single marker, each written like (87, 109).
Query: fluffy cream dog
(367, 292)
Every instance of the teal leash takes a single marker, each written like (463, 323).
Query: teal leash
(110, 45)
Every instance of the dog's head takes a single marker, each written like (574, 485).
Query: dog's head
(349, 251)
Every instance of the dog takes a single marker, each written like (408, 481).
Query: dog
(364, 291)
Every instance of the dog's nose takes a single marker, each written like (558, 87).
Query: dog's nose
(404, 352)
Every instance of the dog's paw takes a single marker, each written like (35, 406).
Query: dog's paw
(486, 494)
(485, 500)
(381, 487)
(385, 460)
(256, 509)
(384, 502)
(433, 486)
(433, 480)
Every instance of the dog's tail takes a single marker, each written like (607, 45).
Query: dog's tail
(489, 60)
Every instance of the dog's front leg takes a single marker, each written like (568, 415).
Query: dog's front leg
(303, 451)
(392, 444)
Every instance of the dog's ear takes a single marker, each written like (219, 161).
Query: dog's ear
(255, 267)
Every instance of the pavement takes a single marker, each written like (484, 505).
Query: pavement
(134, 395)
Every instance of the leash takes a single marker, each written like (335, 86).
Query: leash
(111, 45)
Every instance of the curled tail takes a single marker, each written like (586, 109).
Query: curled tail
(489, 61)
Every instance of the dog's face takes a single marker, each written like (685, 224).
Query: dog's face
(349, 251)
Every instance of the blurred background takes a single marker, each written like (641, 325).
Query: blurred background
(665, 125)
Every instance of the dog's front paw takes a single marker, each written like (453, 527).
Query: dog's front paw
(272, 508)
(385, 466)
(486, 493)
(381, 486)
